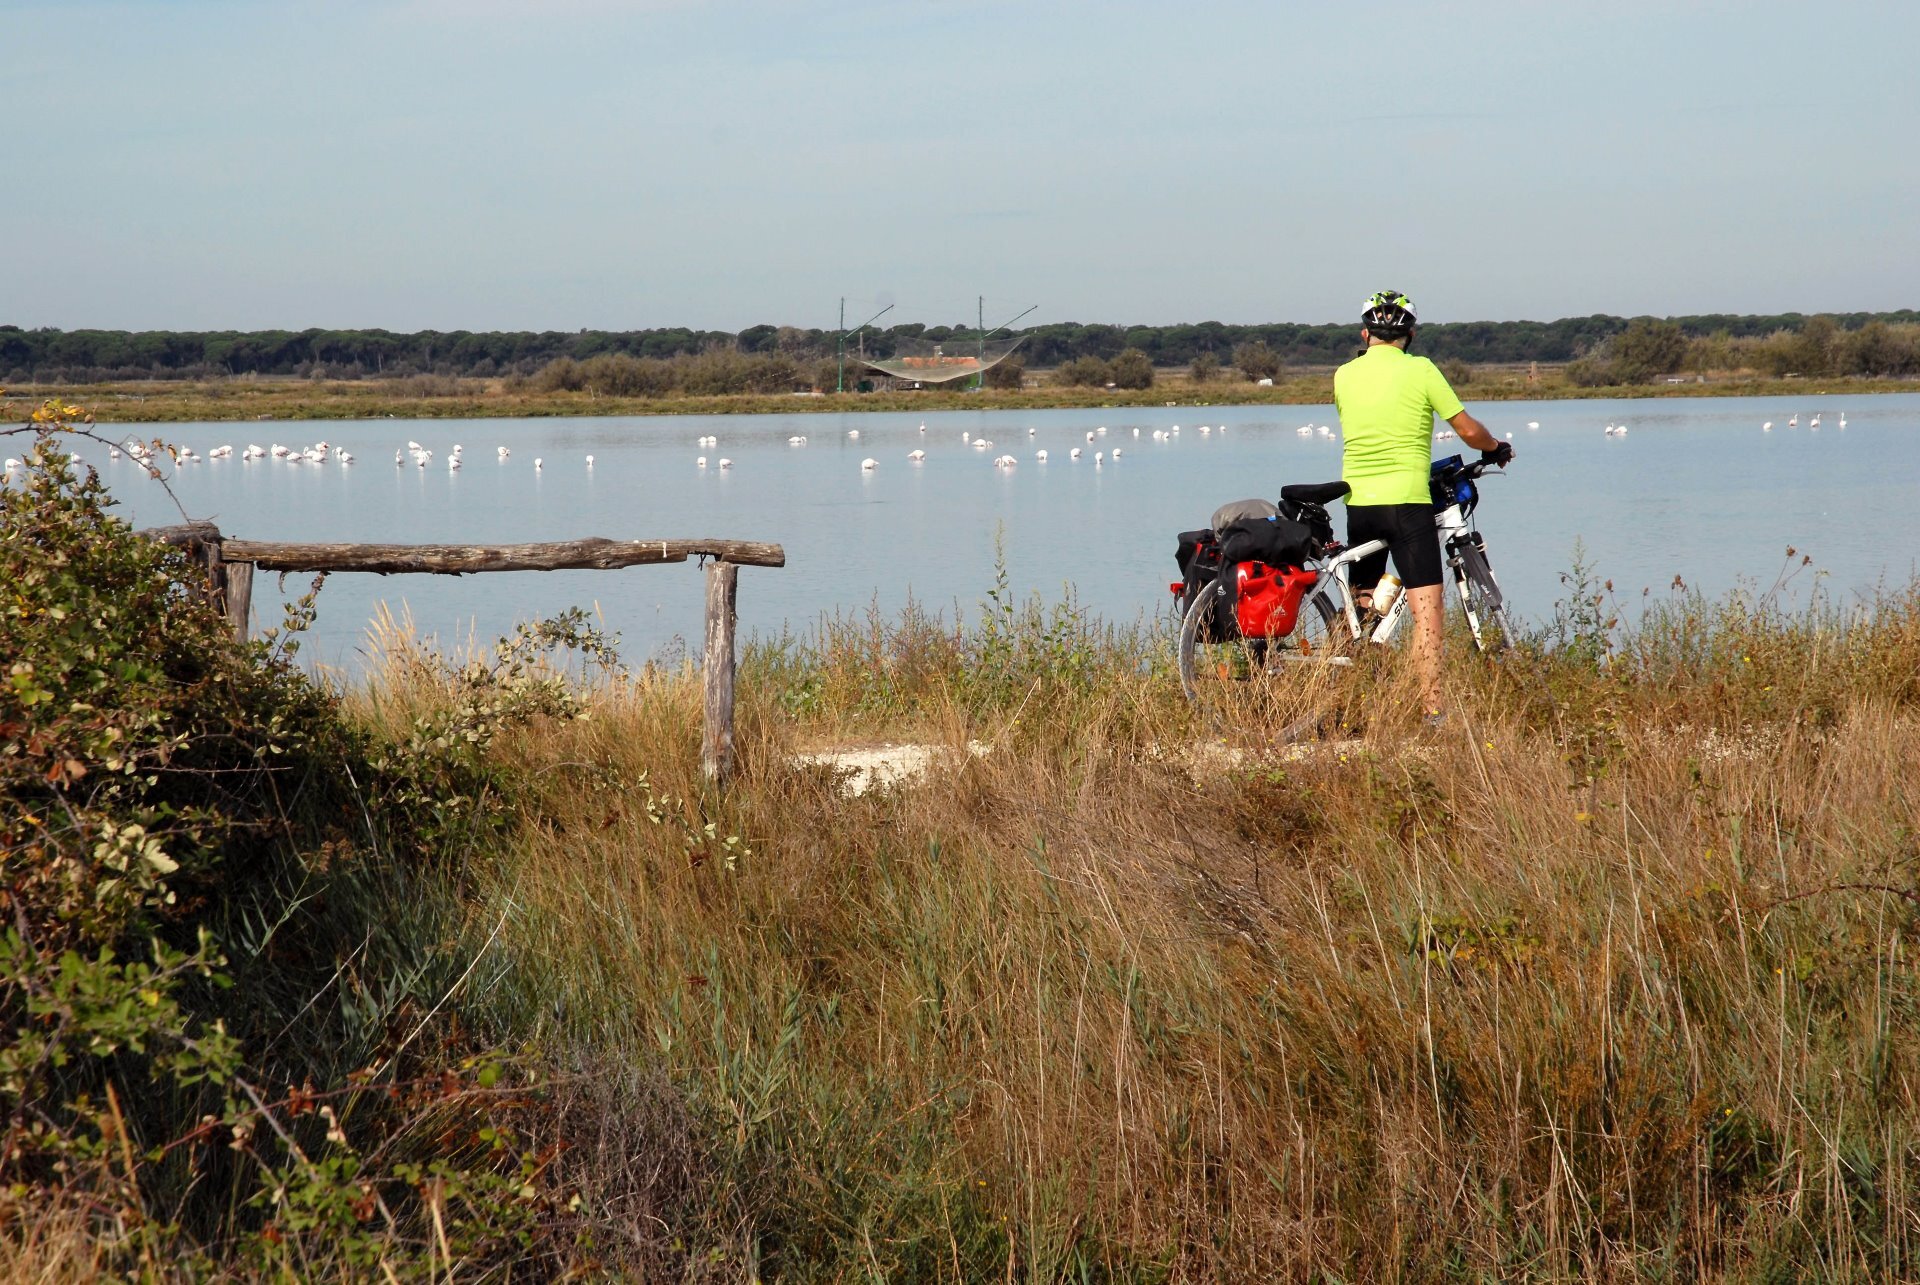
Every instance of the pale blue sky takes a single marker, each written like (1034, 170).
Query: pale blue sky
(481, 164)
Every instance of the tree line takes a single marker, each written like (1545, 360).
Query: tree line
(1613, 349)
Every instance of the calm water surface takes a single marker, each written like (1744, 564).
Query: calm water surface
(1695, 489)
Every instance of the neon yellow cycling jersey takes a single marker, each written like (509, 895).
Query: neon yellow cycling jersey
(1387, 401)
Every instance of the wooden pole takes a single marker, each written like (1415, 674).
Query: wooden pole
(716, 744)
(228, 584)
(207, 554)
(239, 597)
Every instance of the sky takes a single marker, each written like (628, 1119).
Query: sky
(626, 164)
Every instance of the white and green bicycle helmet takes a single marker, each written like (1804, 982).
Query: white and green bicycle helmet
(1388, 315)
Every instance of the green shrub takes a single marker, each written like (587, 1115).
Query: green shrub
(216, 886)
(1083, 372)
(1131, 369)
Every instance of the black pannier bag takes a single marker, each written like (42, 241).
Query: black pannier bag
(1198, 556)
(1314, 518)
(1278, 540)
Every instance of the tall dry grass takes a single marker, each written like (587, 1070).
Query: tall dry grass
(1609, 978)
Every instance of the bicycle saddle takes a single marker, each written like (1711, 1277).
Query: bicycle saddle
(1315, 492)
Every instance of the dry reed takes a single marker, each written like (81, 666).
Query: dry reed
(1608, 978)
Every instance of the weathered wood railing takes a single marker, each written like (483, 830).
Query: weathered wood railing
(230, 563)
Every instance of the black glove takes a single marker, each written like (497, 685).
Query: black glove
(1499, 455)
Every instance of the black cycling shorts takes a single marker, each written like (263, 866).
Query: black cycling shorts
(1411, 538)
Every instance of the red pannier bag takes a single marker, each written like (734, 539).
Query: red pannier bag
(1266, 600)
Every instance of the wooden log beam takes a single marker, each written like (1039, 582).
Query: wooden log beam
(716, 742)
(186, 536)
(463, 559)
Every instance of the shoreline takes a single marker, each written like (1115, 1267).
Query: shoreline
(244, 399)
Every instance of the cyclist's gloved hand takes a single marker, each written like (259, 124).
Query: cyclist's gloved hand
(1499, 455)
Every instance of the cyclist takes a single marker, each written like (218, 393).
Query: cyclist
(1387, 400)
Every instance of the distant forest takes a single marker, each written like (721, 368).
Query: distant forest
(90, 356)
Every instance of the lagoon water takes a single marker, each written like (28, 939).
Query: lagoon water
(1695, 489)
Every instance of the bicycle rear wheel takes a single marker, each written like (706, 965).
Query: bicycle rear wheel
(1480, 598)
(1266, 688)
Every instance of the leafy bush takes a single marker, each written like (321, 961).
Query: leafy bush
(1083, 372)
(1645, 350)
(1131, 369)
(1008, 372)
(1256, 361)
(214, 882)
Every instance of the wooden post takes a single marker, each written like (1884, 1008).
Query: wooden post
(207, 554)
(716, 744)
(239, 597)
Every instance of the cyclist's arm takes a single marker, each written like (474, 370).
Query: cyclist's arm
(1473, 432)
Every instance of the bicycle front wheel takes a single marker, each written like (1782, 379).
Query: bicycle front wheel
(1264, 688)
(1482, 601)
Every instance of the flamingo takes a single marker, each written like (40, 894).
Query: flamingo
(869, 464)
(726, 463)
(916, 455)
(1074, 453)
(1040, 455)
(589, 461)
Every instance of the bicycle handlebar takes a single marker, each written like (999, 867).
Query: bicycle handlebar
(1487, 460)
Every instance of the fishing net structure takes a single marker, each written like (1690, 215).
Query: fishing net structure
(939, 362)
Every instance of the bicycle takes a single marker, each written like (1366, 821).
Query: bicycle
(1231, 664)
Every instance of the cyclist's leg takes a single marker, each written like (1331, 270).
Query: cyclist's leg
(1367, 522)
(1415, 546)
(1429, 607)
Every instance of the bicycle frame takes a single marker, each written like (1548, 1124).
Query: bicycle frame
(1452, 527)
